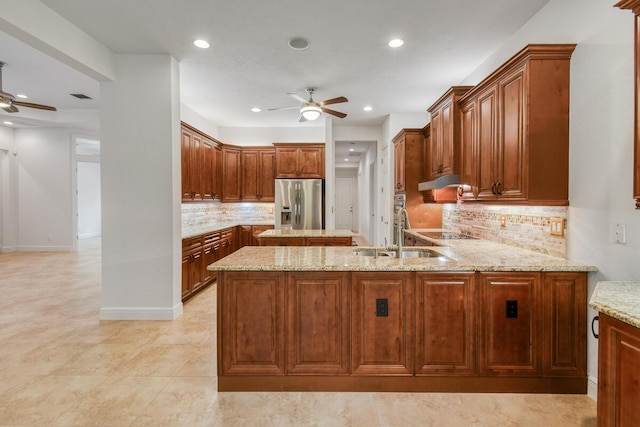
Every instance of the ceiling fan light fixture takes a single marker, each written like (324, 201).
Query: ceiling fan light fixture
(310, 112)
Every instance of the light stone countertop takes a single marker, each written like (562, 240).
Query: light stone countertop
(458, 255)
(620, 300)
(196, 230)
(306, 233)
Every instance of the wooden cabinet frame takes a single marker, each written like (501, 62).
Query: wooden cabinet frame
(634, 6)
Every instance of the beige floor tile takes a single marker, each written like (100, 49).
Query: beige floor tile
(337, 409)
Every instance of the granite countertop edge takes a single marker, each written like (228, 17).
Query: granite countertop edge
(197, 230)
(619, 300)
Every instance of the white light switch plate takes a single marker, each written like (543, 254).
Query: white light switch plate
(620, 234)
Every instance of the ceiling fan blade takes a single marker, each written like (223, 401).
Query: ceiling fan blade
(298, 97)
(333, 112)
(282, 108)
(32, 105)
(333, 101)
(11, 109)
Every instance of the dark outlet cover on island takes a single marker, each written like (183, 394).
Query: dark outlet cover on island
(512, 309)
(382, 307)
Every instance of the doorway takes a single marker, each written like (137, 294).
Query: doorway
(345, 200)
(88, 218)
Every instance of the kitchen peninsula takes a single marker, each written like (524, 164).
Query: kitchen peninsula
(470, 316)
(288, 237)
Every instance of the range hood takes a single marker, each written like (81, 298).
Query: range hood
(441, 182)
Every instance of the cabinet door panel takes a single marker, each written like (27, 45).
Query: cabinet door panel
(311, 162)
(618, 373)
(381, 344)
(435, 152)
(267, 175)
(510, 343)
(231, 191)
(286, 162)
(250, 180)
(399, 162)
(445, 323)
(317, 319)
(208, 169)
(468, 177)
(565, 329)
(253, 323)
(486, 115)
(447, 142)
(511, 162)
(187, 136)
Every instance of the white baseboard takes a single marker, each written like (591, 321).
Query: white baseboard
(592, 387)
(9, 249)
(89, 235)
(45, 248)
(141, 313)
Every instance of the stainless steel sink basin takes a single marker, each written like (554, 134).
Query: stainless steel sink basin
(406, 253)
(375, 252)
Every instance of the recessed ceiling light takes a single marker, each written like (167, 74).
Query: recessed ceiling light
(8, 123)
(202, 44)
(298, 43)
(352, 149)
(256, 110)
(346, 160)
(21, 95)
(368, 108)
(396, 43)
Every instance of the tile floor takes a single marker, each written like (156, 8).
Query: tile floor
(61, 366)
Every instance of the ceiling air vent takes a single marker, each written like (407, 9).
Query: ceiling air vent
(354, 154)
(80, 95)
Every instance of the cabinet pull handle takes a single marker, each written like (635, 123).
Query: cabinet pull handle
(460, 191)
(493, 188)
(596, 318)
(499, 188)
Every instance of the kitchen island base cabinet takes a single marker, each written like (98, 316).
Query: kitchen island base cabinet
(402, 331)
(618, 373)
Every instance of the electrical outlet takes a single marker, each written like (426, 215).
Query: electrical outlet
(270, 211)
(382, 307)
(620, 234)
(556, 228)
(503, 221)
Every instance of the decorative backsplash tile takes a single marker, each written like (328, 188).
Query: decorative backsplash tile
(524, 226)
(199, 214)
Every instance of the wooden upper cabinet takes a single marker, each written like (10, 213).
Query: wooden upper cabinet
(299, 160)
(515, 130)
(258, 178)
(200, 165)
(634, 6)
(399, 161)
(443, 154)
(231, 177)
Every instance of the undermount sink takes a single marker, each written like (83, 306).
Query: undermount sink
(406, 253)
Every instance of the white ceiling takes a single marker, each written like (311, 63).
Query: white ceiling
(249, 63)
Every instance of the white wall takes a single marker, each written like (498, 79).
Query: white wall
(44, 182)
(601, 133)
(267, 136)
(140, 162)
(89, 200)
(194, 119)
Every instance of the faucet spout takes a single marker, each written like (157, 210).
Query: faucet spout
(402, 216)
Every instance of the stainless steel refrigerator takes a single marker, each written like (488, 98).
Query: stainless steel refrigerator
(299, 204)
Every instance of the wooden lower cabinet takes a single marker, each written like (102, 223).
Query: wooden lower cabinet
(510, 324)
(317, 324)
(253, 342)
(283, 241)
(618, 373)
(445, 307)
(192, 266)
(408, 331)
(381, 323)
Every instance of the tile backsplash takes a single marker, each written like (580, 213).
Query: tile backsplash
(524, 226)
(200, 214)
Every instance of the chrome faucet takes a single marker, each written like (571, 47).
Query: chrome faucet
(402, 214)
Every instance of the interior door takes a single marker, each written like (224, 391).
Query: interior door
(344, 203)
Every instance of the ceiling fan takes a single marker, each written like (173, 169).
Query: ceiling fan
(311, 110)
(9, 104)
